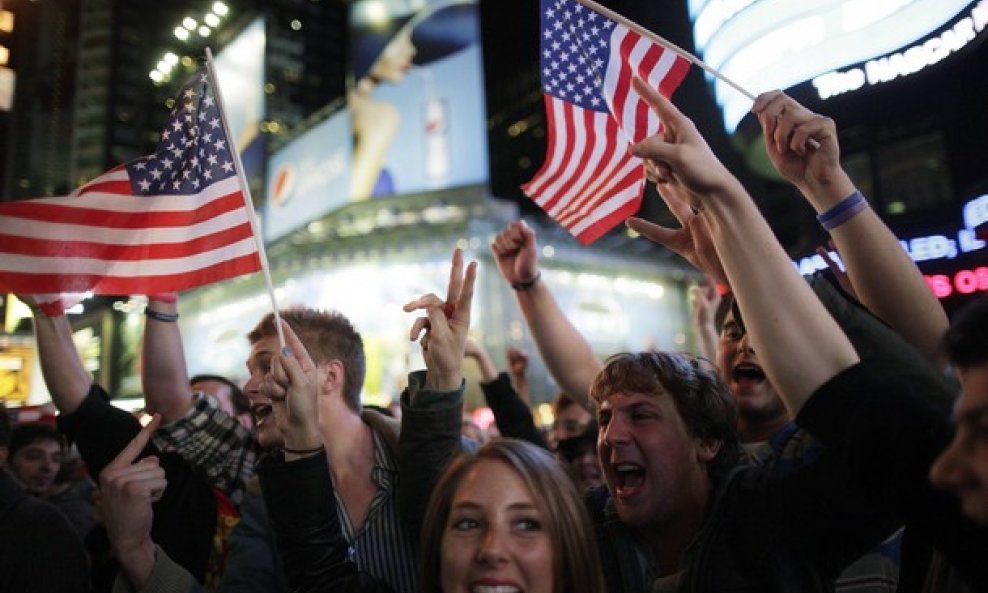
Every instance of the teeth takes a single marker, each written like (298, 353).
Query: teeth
(627, 467)
(495, 589)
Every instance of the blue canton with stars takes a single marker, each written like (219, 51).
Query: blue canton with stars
(575, 50)
(193, 152)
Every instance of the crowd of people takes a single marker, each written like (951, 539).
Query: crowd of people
(829, 435)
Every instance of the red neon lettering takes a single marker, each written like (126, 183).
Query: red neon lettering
(940, 285)
(966, 282)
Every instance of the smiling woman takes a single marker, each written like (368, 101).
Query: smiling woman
(508, 519)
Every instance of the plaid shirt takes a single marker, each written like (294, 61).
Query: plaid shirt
(216, 446)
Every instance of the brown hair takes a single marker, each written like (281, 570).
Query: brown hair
(576, 564)
(700, 396)
(326, 335)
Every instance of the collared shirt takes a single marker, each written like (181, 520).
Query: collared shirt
(384, 546)
(214, 444)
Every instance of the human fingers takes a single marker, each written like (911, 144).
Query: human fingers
(829, 260)
(764, 100)
(655, 233)
(667, 112)
(817, 130)
(297, 349)
(133, 449)
(465, 300)
(424, 302)
(421, 324)
(672, 195)
(275, 383)
(455, 277)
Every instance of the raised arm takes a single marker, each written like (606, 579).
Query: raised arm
(884, 278)
(565, 351)
(164, 375)
(704, 300)
(67, 379)
(800, 344)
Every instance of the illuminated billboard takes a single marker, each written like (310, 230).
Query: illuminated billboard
(309, 177)
(240, 74)
(417, 100)
(770, 44)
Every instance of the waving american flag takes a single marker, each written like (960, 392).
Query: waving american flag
(589, 183)
(164, 222)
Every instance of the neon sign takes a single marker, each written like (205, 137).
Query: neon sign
(908, 61)
(929, 247)
(962, 282)
(769, 44)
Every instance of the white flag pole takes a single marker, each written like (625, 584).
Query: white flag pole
(248, 201)
(813, 142)
(666, 44)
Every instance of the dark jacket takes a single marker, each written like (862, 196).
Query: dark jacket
(40, 551)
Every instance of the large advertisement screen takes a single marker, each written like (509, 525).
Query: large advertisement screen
(240, 73)
(417, 100)
(769, 44)
(309, 177)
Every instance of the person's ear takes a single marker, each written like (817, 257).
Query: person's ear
(333, 376)
(707, 449)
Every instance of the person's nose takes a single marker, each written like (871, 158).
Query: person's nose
(616, 432)
(493, 546)
(948, 469)
(744, 344)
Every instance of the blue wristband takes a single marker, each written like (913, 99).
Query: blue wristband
(843, 211)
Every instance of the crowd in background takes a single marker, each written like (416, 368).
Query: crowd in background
(831, 433)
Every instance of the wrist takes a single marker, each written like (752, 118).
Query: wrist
(824, 194)
(137, 562)
(526, 284)
(435, 381)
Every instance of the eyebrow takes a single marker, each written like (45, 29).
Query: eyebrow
(972, 416)
(467, 504)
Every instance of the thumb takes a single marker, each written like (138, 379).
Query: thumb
(653, 232)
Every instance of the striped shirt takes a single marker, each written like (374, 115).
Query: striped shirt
(384, 547)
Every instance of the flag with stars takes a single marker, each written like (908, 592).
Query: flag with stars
(589, 183)
(164, 222)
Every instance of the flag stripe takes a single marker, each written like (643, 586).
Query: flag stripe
(137, 250)
(112, 284)
(579, 132)
(128, 220)
(49, 265)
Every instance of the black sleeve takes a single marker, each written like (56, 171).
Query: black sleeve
(99, 429)
(886, 437)
(513, 417)
(307, 532)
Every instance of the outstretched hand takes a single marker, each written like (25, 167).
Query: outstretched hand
(685, 172)
(516, 252)
(292, 384)
(445, 326)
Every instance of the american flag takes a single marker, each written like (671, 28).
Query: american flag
(589, 183)
(164, 222)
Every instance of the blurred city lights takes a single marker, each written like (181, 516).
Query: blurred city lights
(220, 8)
(181, 33)
(189, 23)
(205, 31)
(211, 19)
